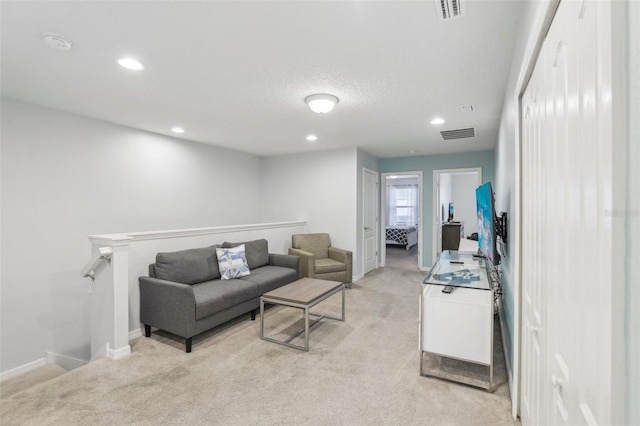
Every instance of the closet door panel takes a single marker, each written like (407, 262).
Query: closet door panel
(568, 190)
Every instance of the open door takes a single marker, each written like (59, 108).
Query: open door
(370, 232)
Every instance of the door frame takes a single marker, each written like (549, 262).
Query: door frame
(436, 195)
(538, 32)
(364, 212)
(383, 213)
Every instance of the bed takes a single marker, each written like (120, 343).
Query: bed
(402, 235)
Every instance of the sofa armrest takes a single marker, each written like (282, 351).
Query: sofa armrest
(285, 260)
(168, 305)
(307, 263)
(344, 256)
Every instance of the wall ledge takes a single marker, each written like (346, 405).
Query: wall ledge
(125, 239)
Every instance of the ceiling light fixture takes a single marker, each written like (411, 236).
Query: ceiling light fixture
(56, 41)
(321, 103)
(177, 130)
(312, 138)
(131, 64)
(437, 121)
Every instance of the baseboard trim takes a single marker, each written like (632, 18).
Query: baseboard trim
(22, 369)
(507, 361)
(134, 334)
(119, 353)
(357, 277)
(66, 362)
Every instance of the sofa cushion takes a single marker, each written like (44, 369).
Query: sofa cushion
(269, 277)
(257, 252)
(325, 266)
(216, 296)
(188, 266)
(232, 262)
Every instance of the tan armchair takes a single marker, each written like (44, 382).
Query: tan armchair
(319, 260)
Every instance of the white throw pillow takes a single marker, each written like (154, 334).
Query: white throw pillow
(232, 262)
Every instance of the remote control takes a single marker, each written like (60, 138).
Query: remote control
(456, 262)
(448, 289)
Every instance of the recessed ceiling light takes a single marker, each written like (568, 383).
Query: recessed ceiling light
(321, 103)
(437, 121)
(131, 64)
(312, 138)
(412, 151)
(177, 130)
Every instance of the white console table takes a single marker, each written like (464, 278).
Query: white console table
(457, 325)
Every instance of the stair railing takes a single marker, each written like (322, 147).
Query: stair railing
(103, 254)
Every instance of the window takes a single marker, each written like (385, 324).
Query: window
(402, 205)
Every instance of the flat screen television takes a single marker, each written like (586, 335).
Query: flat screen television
(450, 219)
(487, 232)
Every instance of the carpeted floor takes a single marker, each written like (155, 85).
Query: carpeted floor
(363, 371)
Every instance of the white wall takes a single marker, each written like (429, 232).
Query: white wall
(505, 189)
(320, 188)
(446, 195)
(65, 177)
(402, 181)
(463, 195)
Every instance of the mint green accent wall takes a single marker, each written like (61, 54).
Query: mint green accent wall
(429, 163)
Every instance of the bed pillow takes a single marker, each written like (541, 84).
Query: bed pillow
(232, 262)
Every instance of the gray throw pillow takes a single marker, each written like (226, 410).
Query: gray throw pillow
(188, 266)
(257, 252)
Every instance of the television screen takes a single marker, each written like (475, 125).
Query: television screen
(450, 212)
(487, 237)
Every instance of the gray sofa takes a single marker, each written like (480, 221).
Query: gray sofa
(185, 296)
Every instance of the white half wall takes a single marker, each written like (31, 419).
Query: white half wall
(320, 188)
(65, 177)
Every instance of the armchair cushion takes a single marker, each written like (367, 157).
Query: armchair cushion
(325, 266)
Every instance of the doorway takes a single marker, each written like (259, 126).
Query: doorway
(401, 213)
(454, 201)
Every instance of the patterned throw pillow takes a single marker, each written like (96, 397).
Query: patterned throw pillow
(232, 262)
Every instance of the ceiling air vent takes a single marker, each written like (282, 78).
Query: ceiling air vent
(448, 9)
(448, 135)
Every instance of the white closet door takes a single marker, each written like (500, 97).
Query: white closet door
(569, 188)
(533, 312)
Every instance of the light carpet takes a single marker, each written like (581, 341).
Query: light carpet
(362, 371)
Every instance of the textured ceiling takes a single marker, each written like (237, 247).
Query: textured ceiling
(235, 74)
